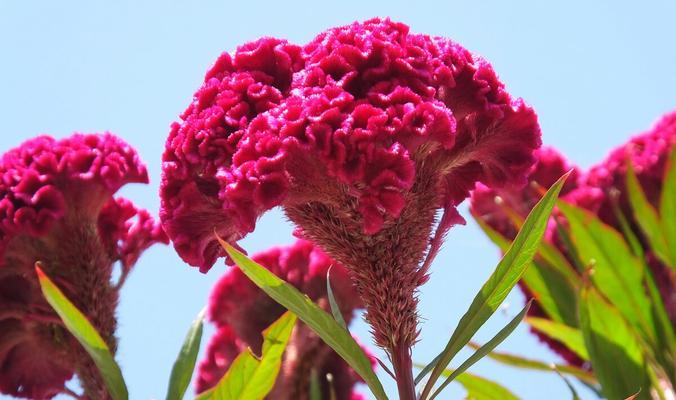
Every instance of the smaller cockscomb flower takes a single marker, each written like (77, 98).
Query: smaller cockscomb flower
(601, 190)
(57, 207)
(241, 312)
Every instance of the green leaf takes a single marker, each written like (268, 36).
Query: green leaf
(315, 386)
(616, 354)
(335, 309)
(312, 315)
(482, 351)
(185, 362)
(506, 275)
(80, 327)
(478, 388)
(526, 363)
(551, 279)
(668, 206)
(646, 217)
(617, 273)
(570, 386)
(250, 377)
(565, 334)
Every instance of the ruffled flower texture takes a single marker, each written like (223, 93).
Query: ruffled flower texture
(600, 190)
(57, 207)
(241, 312)
(362, 135)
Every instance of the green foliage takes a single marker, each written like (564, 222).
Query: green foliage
(668, 207)
(535, 365)
(571, 337)
(621, 324)
(616, 354)
(79, 326)
(647, 218)
(482, 351)
(322, 323)
(250, 377)
(185, 362)
(500, 283)
(551, 279)
(335, 309)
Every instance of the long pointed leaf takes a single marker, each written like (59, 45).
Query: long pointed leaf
(552, 285)
(527, 363)
(250, 377)
(183, 368)
(565, 334)
(668, 206)
(482, 351)
(85, 333)
(617, 273)
(477, 387)
(506, 275)
(647, 218)
(335, 308)
(312, 315)
(616, 354)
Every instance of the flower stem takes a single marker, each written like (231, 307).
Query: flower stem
(403, 371)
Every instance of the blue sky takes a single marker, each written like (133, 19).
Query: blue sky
(596, 72)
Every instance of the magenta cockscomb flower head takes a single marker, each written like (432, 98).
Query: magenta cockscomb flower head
(241, 312)
(57, 207)
(362, 136)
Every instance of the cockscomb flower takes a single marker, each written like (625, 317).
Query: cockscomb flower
(601, 190)
(241, 312)
(57, 207)
(362, 135)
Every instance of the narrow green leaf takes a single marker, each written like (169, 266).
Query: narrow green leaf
(315, 386)
(570, 386)
(335, 309)
(479, 388)
(506, 275)
(250, 377)
(647, 218)
(426, 369)
(181, 373)
(312, 315)
(617, 273)
(527, 363)
(550, 280)
(668, 206)
(565, 334)
(85, 333)
(482, 351)
(616, 354)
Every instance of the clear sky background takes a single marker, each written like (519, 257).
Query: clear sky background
(595, 71)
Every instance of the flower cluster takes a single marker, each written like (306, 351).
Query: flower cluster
(57, 207)
(601, 190)
(362, 136)
(241, 312)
